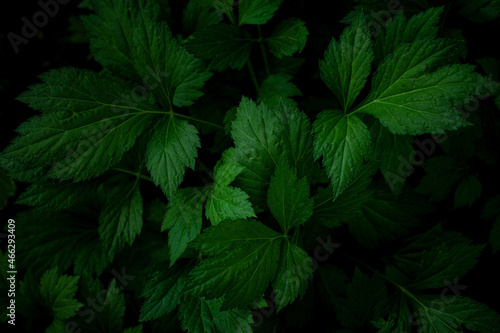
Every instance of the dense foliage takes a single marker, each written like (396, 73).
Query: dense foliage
(211, 173)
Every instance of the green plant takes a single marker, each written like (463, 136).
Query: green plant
(266, 206)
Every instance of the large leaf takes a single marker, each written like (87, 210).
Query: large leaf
(87, 124)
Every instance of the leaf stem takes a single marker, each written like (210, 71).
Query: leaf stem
(137, 174)
(263, 52)
(252, 75)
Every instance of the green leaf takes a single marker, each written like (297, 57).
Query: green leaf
(347, 62)
(175, 76)
(467, 192)
(287, 38)
(7, 188)
(257, 11)
(198, 314)
(295, 270)
(400, 31)
(242, 261)
(410, 96)
(382, 218)
(170, 151)
(234, 320)
(227, 202)
(443, 174)
(288, 197)
(332, 213)
(86, 126)
(223, 44)
(445, 263)
(344, 141)
(276, 87)
(162, 291)
(57, 196)
(435, 315)
(110, 33)
(255, 133)
(184, 220)
(392, 152)
(120, 220)
(58, 294)
(297, 141)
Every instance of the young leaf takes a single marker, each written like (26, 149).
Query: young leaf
(183, 219)
(289, 37)
(162, 292)
(257, 11)
(171, 150)
(121, 218)
(347, 63)
(86, 126)
(344, 141)
(249, 252)
(223, 44)
(175, 76)
(224, 201)
(288, 197)
(294, 273)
